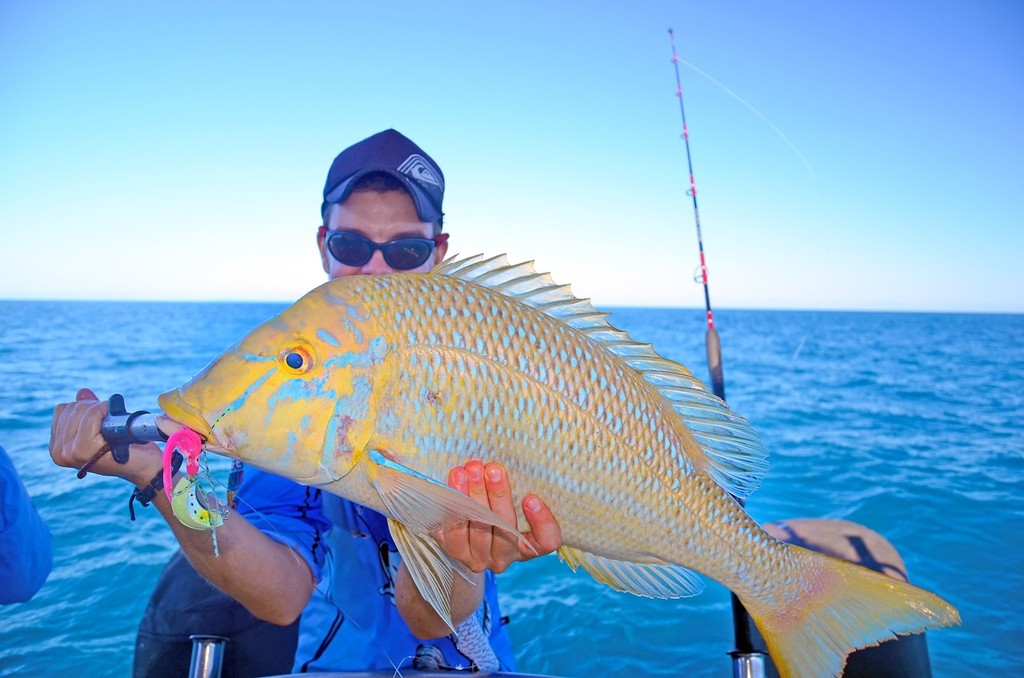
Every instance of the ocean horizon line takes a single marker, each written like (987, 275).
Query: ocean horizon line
(610, 306)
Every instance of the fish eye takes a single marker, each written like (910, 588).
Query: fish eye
(296, 359)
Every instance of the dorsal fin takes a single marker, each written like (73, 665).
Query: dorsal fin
(736, 458)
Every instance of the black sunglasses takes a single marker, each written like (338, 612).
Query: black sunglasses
(401, 254)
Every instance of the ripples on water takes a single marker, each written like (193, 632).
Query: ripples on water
(909, 423)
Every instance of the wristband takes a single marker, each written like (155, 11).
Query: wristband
(145, 495)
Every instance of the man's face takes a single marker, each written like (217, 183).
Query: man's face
(380, 217)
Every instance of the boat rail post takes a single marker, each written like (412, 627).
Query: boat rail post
(747, 665)
(207, 656)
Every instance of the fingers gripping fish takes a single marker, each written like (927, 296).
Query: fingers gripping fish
(373, 387)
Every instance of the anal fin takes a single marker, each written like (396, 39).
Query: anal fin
(654, 579)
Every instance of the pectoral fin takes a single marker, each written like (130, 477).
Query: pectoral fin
(423, 504)
(429, 566)
(417, 506)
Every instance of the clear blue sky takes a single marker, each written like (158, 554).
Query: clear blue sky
(848, 155)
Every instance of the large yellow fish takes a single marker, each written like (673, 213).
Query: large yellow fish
(374, 387)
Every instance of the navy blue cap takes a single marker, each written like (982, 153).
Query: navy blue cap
(393, 153)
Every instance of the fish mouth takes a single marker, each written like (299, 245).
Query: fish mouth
(185, 414)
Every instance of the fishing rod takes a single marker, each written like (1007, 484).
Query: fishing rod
(748, 662)
(711, 340)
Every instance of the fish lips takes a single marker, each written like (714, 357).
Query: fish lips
(187, 415)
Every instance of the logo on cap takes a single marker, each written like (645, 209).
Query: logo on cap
(415, 167)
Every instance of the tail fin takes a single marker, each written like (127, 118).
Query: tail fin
(844, 607)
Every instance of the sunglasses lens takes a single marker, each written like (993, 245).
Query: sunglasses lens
(349, 248)
(352, 249)
(407, 253)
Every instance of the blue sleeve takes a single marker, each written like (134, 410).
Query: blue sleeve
(285, 511)
(26, 554)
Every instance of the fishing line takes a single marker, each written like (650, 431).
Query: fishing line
(798, 348)
(759, 114)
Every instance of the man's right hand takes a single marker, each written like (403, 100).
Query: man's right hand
(269, 578)
(75, 438)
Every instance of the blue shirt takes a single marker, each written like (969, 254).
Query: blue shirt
(26, 555)
(351, 622)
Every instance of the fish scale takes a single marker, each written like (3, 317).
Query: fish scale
(374, 387)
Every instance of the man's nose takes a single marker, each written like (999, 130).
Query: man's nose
(376, 265)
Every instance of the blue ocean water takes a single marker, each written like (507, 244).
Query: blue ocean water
(908, 423)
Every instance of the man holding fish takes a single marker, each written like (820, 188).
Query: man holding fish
(382, 214)
(374, 388)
